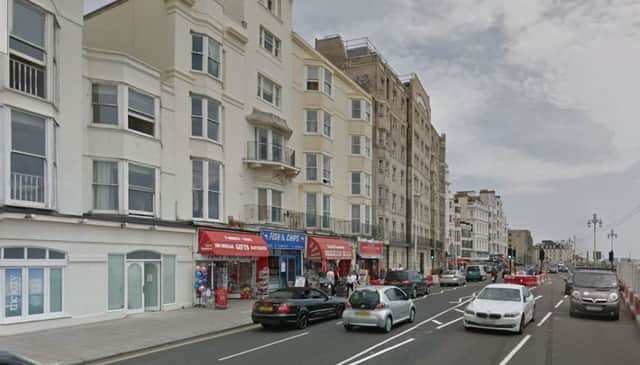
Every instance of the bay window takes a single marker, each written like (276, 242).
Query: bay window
(328, 82)
(360, 109)
(361, 145)
(270, 205)
(142, 189)
(28, 171)
(105, 185)
(206, 188)
(311, 121)
(311, 218)
(206, 51)
(27, 41)
(360, 184)
(355, 183)
(269, 146)
(326, 169)
(270, 42)
(326, 124)
(355, 218)
(312, 166)
(269, 91)
(313, 78)
(205, 117)
(104, 102)
(141, 113)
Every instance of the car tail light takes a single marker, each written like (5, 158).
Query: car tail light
(284, 308)
(381, 306)
(405, 282)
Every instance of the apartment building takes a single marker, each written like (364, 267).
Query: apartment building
(522, 241)
(498, 231)
(556, 252)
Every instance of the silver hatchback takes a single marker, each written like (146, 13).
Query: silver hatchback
(378, 306)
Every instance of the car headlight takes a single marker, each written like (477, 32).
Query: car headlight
(613, 297)
(511, 315)
(469, 311)
(575, 294)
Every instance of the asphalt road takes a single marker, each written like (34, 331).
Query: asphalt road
(436, 337)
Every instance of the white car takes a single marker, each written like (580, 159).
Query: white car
(505, 307)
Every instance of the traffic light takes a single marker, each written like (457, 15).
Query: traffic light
(611, 256)
(514, 253)
(433, 254)
(541, 254)
(510, 253)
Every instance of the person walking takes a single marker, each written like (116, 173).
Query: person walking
(351, 282)
(331, 281)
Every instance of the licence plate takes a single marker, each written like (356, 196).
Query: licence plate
(362, 314)
(265, 309)
(593, 308)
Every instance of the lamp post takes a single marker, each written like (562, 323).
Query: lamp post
(595, 222)
(612, 235)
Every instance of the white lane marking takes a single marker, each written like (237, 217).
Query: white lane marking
(339, 323)
(459, 310)
(538, 297)
(263, 346)
(449, 323)
(515, 350)
(559, 304)
(566, 296)
(369, 349)
(436, 322)
(382, 351)
(544, 319)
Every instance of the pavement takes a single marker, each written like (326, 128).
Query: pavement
(103, 340)
(436, 337)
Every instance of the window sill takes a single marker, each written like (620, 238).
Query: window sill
(139, 214)
(33, 318)
(134, 132)
(28, 204)
(34, 97)
(203, 73)
(208, 140)
(272, 105)
(207, 220)
(105, 126)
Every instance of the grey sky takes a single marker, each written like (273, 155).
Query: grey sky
(536, 97)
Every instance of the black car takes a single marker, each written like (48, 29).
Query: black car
(7, 358)
(595, 293)
(410, 281)
(296, 306)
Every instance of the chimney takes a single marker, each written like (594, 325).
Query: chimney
(332, 47)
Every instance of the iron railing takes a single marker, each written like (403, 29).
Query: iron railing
(27, 187)
(26, 77)
(271, 152)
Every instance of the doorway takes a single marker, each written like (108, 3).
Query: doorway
(422, 262)
(143, 281)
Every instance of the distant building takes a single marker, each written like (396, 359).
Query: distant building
(522, 241)
(557, 251)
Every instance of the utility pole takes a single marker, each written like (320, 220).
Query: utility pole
(595, 222)
(612, 235)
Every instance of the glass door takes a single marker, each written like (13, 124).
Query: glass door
(151, 286)
(135, 293)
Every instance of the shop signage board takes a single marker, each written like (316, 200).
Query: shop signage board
(13, 296)
(370, 250)
(223, 243)
(283, 240)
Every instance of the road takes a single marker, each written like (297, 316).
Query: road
(436, 337)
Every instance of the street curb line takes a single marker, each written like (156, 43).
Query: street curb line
(109, 358)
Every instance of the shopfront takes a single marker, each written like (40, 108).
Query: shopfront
(285, 257)
(328, 253)
(370, 260)
(233, 264)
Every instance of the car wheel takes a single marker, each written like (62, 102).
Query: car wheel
(412, 315)
(521, 327)
(348, 327)
(339, 310)
(303, 321)
(414, 293)
(388, 325)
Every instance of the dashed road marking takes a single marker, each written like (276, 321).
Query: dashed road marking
(544, 319)
(449, 323)
(263, 346)
(515, 350)
(436, 322)
(559, 304)
(382, 352)
(538, 297)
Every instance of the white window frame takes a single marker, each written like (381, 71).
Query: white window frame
(356, 222)
(326, 211)
(364, 183)
(318, 113)
(364, 110)
(327, 172)
(205, 55)
(270, 146)
(275, 8)
(324, 82)
(205, 190)
(142, 115)
(117, 105)
(269, 208)
(358, 184)
(276, 47)
(312, 81)
(49, 173)
(276, 88)
(363, 143)
(118, 186)
(327, 81)
(205, 101)
(156, 191)
(316, 167)
(327, 124)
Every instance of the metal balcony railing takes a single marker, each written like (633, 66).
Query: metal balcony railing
(271, 152)
(26, 77)
(26, 187)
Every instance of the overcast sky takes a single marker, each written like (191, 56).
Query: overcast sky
(537, 99)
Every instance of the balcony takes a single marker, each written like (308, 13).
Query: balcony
(271, 156)
(300, 221)
(26, 77)
(28, 188)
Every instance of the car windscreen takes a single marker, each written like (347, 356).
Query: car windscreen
(450, 272)
(595, 280)
(285, 294)
(397, 275)
(364, 299)
(504, 294)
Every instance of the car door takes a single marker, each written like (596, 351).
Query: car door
(390, 295)
(320, 304)
(403, 303)
(528, 302)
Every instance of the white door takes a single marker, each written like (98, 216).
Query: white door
(135, 293)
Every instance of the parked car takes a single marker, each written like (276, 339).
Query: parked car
(378, 306)
(595, 293)
(475, 273)
(505, 307)
(412, 282)
(452, 277)
(7, 358)
(553, 269)
(296, 306)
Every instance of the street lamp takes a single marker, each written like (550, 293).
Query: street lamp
(612, 235)
(595, 222)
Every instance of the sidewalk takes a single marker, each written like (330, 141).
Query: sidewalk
(80, 344)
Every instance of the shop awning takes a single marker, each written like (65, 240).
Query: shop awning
(326, 248)
(225, 243)
(370, 250)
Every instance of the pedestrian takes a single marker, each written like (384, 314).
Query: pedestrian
(351, 282)
(331, 281)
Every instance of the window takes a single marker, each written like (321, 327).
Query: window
(311, 120)
(311, 210)
(116, 284)
(32, 289)
(312, 167)
(326, 124)
(142, 189)
(273, 6)
(393, 201)
(202, 45)
(209, 110)
(328, 82)
(313, 78)
(326, 169)
(27, 42)
(355, 183)
(197, 190)
(141, 112)
(361, 145)
(355, 218)
(367, 146)
(168, 279)
(326, 210)
(367, 184)
(104, 99)
(270, 42)
(367, 219)
(206, 175)
(355, 145)
(105, 185)
(269, 91)
(270, 205)
(356, 109)
(381, 196)
(28, 157)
